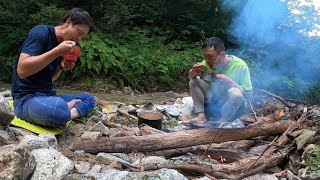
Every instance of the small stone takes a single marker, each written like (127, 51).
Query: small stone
(91, 135)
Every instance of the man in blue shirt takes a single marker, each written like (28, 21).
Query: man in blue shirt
(39, 62)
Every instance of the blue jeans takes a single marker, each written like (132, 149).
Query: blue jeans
(51, 110)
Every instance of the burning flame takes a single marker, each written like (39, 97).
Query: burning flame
(222, 159)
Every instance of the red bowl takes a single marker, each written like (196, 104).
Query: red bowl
(70, 58)
(73, 56)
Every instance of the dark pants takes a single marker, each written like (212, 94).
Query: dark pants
(213, 111)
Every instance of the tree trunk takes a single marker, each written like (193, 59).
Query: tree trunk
(181, 139)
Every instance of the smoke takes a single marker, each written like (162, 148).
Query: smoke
(285, 36)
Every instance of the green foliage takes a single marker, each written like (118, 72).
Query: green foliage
(140, 61)
(312, 159)
(16, 19)
(170, 123)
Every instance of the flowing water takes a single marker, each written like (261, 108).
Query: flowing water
(127, 99)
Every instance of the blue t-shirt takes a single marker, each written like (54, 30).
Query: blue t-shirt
(41, 39)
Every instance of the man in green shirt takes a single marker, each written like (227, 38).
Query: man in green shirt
(222, 82)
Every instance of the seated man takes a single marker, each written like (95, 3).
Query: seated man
(39, 62)
(221, 81)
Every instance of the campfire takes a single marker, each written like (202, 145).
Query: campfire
(223, 160)
(235, 150)
(220, 159)
(274, 130)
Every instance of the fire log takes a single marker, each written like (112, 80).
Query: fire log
(232, 171)
(275, 116)
(147, 130)
(181, 139)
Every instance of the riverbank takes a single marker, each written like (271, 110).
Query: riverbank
(127, 95)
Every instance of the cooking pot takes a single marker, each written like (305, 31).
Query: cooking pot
(153, 119)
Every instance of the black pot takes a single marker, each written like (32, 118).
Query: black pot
(153, 119)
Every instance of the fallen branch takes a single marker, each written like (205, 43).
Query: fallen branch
(282, 140)
(125, 113)
(275, 96)
(180, 139)
(226, 171)
(296, 101)
(275, 116)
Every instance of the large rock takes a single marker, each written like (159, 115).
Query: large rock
(113, 174)
(6, 112)
(51, 165)
(32, 142)
(16, 162)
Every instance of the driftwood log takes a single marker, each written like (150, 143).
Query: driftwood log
(157, 142)
(275, 116)
(147, 130)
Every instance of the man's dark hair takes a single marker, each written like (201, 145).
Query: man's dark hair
(79, 16)
(216, 42)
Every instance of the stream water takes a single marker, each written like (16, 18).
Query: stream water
(157, 97)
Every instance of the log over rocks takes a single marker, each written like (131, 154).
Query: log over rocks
(157, 142)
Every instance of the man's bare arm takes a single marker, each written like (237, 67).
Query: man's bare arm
(29, 65)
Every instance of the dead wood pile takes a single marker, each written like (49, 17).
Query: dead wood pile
(278, 131)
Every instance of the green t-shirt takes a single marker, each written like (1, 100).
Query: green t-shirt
(237, 70)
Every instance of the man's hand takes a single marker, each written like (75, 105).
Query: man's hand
(195, 70)
(67, 65)
(65, 47)
(222, 78)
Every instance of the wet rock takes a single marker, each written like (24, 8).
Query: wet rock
(16, 162)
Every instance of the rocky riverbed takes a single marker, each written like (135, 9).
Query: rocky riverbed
(26, 155)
